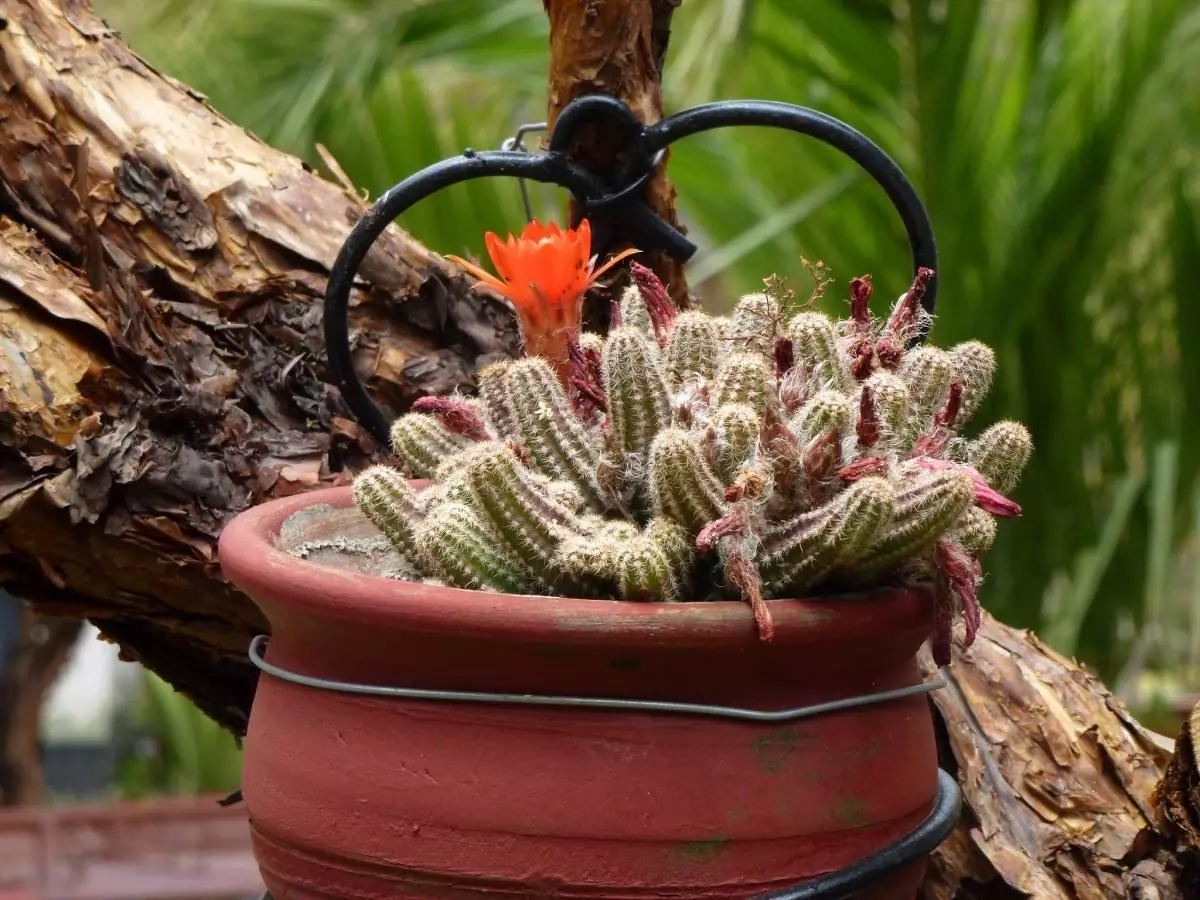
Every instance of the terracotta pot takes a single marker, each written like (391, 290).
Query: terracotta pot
(363, 797)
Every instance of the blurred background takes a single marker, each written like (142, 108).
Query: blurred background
(1056, 144)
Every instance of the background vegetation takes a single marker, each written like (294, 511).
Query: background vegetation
(1055, 143)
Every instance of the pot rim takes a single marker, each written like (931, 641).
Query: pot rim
(284, 586)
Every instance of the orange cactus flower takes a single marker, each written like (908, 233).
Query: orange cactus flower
(543, 275)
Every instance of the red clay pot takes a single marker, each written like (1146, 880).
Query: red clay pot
(359, 797)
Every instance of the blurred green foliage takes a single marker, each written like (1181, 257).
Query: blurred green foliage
(1054, 142)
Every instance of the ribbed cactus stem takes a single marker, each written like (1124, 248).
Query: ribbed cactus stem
(890, 395)
(974, 368)
(801, 552)
(682, 486)
(594, 555)
(826, 410)
(924, 511)
(638, 402)
(756, 318)
(466, 554)
(817, 348)
(389, 501)
(634, 313)
(525, 518)
(493, 399)
(655, 565)
(1000, 454)
(745, 378)
(693, 347)
(555, 438)
(928, 372)
(736, 427)
(975, 530)
(421, 443)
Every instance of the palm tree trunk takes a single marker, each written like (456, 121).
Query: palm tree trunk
(162, 369)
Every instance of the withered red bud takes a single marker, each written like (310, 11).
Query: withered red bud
(888, 353)
(986, 497)
(455, 413)
(741, 573)
(862, 355)
(860, 302)
(904, 316)
(823, 456)
(869, 428)
(585, 383)
(932, 443)
(654, 295)
(785, 355)
(731, 524)
(949, 414)
(861, 468)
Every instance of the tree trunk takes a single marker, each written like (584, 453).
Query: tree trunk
(161, 354)
(615, 47)
(33, 650)
(162, 368)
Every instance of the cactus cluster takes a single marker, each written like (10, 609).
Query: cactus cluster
(774, 453)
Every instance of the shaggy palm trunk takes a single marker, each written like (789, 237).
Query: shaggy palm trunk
(162, 368)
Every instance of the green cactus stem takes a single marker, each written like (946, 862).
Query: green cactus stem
(755, 321)
(524, 518)
(651, 566)
(928, 372)
(493, 399)
(466, 554)
(736, 428)
(693, 347)
(638, 403)
(682, 486)
(924, 511)
(389, 501)
(745, 378)
(825, 411)
(816, 345)
(594, 555)
(421, 442)
(974, 368)
(558, 442)
(1001, 453)
(974, 531)
(634, 313)
(801, 552)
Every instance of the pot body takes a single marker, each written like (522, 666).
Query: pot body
(363, 797)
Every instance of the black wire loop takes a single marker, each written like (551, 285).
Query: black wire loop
(616, 208)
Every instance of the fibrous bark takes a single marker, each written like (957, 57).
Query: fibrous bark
(617, 48)
(161, 358)
(162, 368)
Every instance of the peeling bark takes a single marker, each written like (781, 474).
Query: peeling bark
(161, 358)
(1059, 783)
(617, 48)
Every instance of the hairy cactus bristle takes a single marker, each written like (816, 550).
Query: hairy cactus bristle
(693, 347)
(816, 343)
(737, 428)
(590, 341)
(891, 406)
(493, 398)
(421, 442)
(595, 555)
(801, 552)
(466, 554)
(826, 410)
(655, 565)
(634, 313)
(389, 501)
(924, 511)
(928, 372)
(638, 402)
(682, 486)
(975, 530)
(755, 317)
(1000, 454)
(745, 378)
(974, 367)
(527, 520)
(558, 442)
